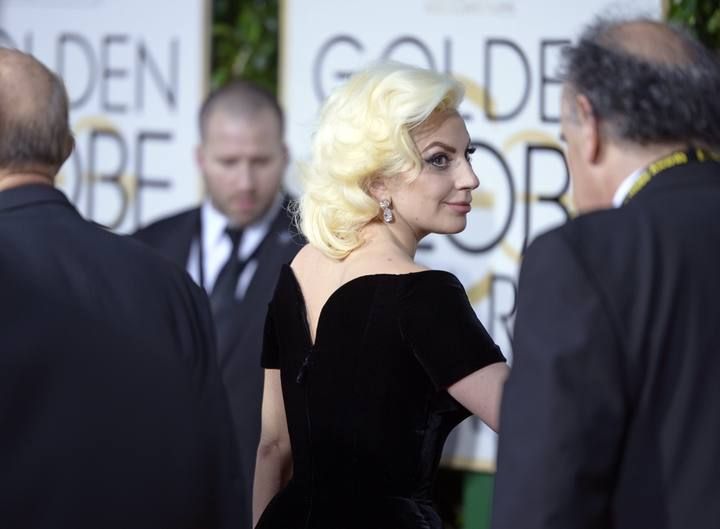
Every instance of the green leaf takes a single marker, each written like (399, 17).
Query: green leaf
(700, 17)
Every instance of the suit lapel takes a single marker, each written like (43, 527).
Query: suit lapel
(180, 240)
(277, 248)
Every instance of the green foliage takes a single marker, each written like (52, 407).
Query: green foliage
(245, 42)
(702, 17)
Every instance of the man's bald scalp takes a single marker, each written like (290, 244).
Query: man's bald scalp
(34, 128)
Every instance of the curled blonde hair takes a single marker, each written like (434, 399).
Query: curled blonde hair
(364, 134)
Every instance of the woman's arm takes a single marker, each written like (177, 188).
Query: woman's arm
(273, 466)
(481, 392)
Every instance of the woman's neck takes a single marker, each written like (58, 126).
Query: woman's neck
(394, 239)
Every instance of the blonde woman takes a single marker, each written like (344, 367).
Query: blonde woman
(371, 359)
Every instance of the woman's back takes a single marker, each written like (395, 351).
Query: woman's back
(364, 397)
(320, 276)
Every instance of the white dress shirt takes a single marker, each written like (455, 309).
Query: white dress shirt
(216, 246)
(625, 187)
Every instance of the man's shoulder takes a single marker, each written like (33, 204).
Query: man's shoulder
(142, 261)
(604, 241)
(607, 226)
(143, 256)
(283, 232)
(159, 229)
(605, 247)
(107, 250)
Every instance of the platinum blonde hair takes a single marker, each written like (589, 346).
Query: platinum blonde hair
(364, 135)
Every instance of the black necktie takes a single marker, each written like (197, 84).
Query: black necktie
(222, 296)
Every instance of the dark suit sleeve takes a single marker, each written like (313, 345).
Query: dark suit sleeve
(563, 409)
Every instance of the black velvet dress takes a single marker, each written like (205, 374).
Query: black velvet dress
(366, 405)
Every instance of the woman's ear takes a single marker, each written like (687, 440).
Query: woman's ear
(378, 189)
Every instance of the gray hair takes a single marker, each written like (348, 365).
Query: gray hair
(656, 90)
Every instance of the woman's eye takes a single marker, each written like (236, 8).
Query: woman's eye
(469, 152)
(439, 160)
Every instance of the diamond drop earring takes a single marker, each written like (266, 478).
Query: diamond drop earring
(386, 211)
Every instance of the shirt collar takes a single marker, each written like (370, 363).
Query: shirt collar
(624, 187)
(214, 224)
(30, 194)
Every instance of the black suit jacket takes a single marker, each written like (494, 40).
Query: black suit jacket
(112, 411)
(240, 361)
(611, 415)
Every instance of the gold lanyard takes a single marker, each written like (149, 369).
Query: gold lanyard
(671, 160)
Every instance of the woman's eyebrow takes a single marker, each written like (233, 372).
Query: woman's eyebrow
(445, 146)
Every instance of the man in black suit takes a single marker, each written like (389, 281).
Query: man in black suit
(611, 415)
(112, 410)
(234, 244)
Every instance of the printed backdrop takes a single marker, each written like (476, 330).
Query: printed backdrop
(136, 73)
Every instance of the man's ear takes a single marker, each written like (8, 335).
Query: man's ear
(589, 136)
(286, 155)
(200, 157)
(69, 145)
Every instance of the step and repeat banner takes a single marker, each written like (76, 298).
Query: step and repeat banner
(136, 73)
(506, 53)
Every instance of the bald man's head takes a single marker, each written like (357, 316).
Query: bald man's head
(34, 129)
(241, 99)
(648, 83)
(650, 41)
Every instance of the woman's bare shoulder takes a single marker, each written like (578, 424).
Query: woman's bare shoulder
(388, 263)
(408, 267)
(309, 260)
(307, 255)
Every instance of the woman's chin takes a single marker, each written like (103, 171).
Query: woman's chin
(455, 227)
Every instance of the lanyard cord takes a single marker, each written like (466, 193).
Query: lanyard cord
(671, 160)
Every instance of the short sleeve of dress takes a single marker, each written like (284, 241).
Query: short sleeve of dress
(443, 331)
(270, 358)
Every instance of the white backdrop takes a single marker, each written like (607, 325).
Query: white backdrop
(506, 52)
(136, 72)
